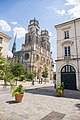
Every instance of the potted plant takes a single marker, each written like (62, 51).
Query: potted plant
(18, 92)
(60, 89)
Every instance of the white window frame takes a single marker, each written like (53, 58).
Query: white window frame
(67, 51)
(66, 34)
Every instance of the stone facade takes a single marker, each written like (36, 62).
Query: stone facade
(35, 53)
(68, 54)
(4, 43)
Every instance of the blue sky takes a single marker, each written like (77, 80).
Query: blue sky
(16, 14)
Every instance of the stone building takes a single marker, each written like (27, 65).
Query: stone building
(35, 53)
(4, 43)
(68, 54)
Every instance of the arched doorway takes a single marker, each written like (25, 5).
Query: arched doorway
(68, 76)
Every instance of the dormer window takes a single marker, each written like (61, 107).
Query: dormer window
(1, 39)
(66, 34)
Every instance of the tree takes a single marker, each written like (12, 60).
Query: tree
(45, 74)
(2, 63)
(5, 71)
(17, 69)
(31, 75)
(8, 75)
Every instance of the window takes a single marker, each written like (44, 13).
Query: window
(26, 56)
(1, 39)
(67, 51)
(66, 34)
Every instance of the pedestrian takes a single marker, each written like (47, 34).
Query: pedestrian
(33, 82)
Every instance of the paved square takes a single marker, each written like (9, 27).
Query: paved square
(40, 104)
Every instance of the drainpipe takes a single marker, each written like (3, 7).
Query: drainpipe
(76, 49)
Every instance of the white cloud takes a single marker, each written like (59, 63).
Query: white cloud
(72, 2)
(14, 23)
(5, 26)
(20, 31)
(60, 12)
(74, 12)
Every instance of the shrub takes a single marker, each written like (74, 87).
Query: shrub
(18, 90)
(60, 89)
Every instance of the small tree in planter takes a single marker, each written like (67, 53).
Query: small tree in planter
(60, 89)
(18, 92)
(45, 74)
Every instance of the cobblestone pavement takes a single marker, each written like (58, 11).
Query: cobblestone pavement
(40, 103)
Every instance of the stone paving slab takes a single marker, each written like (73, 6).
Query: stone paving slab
(53, 116)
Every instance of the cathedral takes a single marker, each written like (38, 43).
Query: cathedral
(35, 54)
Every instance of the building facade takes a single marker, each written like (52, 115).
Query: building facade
(68, 54)
(35, 53)
(4, 43)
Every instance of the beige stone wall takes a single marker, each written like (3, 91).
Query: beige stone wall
(5, 44)
(74, 42)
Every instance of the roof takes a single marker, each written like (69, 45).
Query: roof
(71, 21)
(6, 36)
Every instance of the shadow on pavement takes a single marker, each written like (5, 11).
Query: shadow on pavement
(50, 91)
(78, 105)
(11, 102)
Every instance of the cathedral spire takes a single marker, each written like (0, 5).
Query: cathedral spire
(14, 45)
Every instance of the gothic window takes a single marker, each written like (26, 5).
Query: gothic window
(30, 29)
(37, 31)
(48, 47)
(1, 39)
(26, 56)
(48, 62)
(42, 38)
(37, 57)
(42, 60)
(36, 39)
(67, 51)
(66, 34)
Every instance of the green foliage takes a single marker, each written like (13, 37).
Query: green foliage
(17, 69)
(5, 71)
(2, 64)
(8, 76)
(31, 75)
(18, 90)
(45, 73)
(22, 77)
(1, 74)
(60, 89)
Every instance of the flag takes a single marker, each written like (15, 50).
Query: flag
(14, 45)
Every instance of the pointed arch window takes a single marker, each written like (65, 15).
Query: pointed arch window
(1, 40)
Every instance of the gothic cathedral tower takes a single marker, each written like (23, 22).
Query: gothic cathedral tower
(36, 55)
